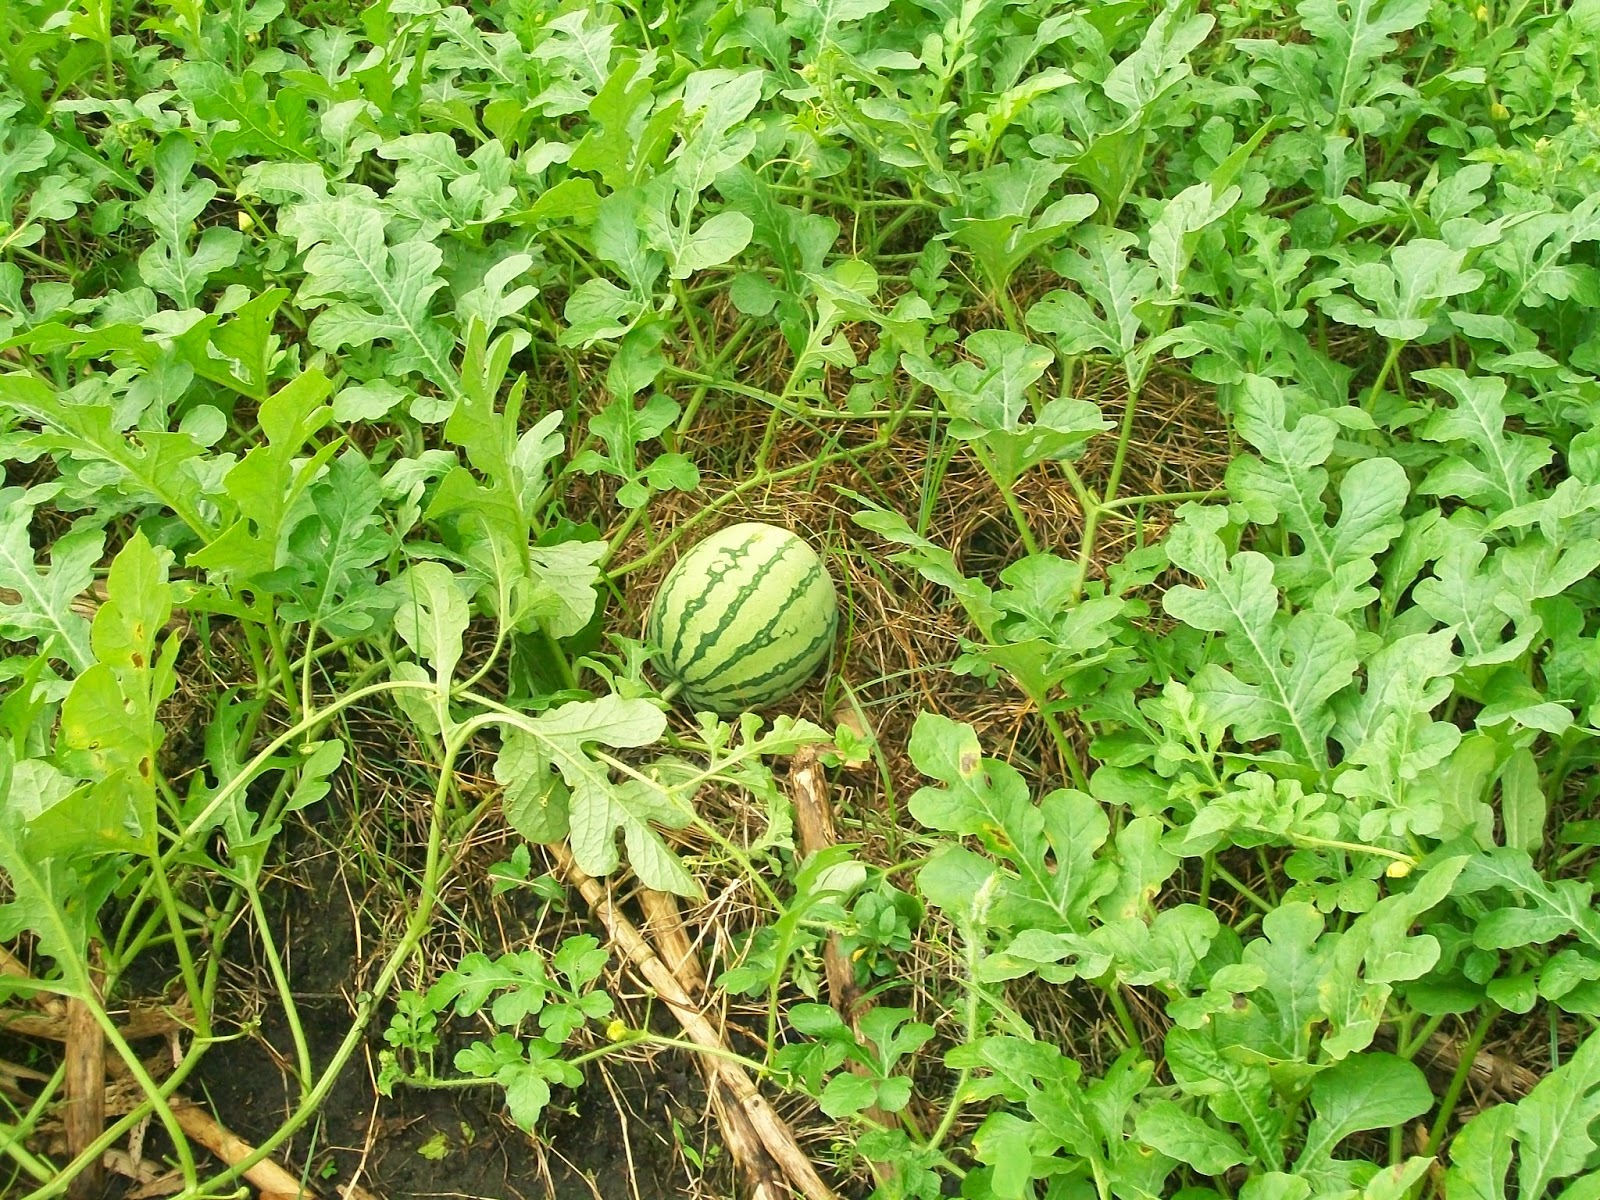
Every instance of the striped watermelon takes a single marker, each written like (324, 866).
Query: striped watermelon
(743, 618)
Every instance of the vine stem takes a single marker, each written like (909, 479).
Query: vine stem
(643, 1037)
(973, 1011)
(18, 1134)
(1160, 498)
(30, 1164)
(156, 1095)
(761, 478)
(416, 929)
(1080, 777)
(688, 315)
(1091, 532)
(1097, 506)
(1130, 1028)
(789, 407)
(303, 726)
(1458, 1081)
(1414, 1044)
(1383, 373)
(280, 980)
(1356, 848)
(280, 661)
(711, 508)
(1029, 542)
(136, 1071)
(1008, 497)
(191, 980)
(1239, 885)
(1124, 439)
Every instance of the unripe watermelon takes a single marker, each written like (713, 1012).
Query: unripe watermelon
(743, 618)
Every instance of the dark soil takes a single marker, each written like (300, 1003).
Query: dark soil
(452, 1143)
(613, 1142)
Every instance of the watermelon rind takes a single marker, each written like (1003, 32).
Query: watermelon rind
(743, 618)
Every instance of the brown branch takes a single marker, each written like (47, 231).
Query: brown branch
(13, 966)
(144, 1021)
(813, 821)
(672, 943)
(770, 1128)
(11, 1078)
(88, 1073)
(1508, 1080)
(87, 604)
(84, 1109)
(663, 924)
(147, 1178)
(272, 1180)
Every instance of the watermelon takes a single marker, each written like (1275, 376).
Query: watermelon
(743, 618)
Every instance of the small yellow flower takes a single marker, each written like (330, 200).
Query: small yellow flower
(1398, 869)
(1483, 13)
(246, 221)
(1499, 111)
(617, 1030)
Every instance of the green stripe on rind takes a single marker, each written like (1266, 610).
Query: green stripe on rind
(771, 685)
(793, 653)
(654, 619)
(722, 566)
(743, 576)
(699, 571)
(794, 617)
(728, 655)
(708, 599)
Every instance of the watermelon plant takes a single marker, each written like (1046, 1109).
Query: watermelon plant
(420, 424)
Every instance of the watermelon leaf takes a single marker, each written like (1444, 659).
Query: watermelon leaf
(1049, 874)
(42, 608)
(556, 789)
(432, 616)
(1551, 1127)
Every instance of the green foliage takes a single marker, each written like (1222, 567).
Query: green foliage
(343, 351)
(557, 996)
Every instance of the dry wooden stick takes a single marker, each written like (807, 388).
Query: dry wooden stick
(84, 1051)
(144, 1021)
(813, 822)
(84, 1108)
(147, 1179)
(663, 924)
(86, 604)
(672, 942)
(769, 1127)
(272, 1179)
(268, 1176)
(13, 966)
(11, 1077)
(274, 1182)
(1509, 1080)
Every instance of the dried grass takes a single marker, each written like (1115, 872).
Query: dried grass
(901, 635)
